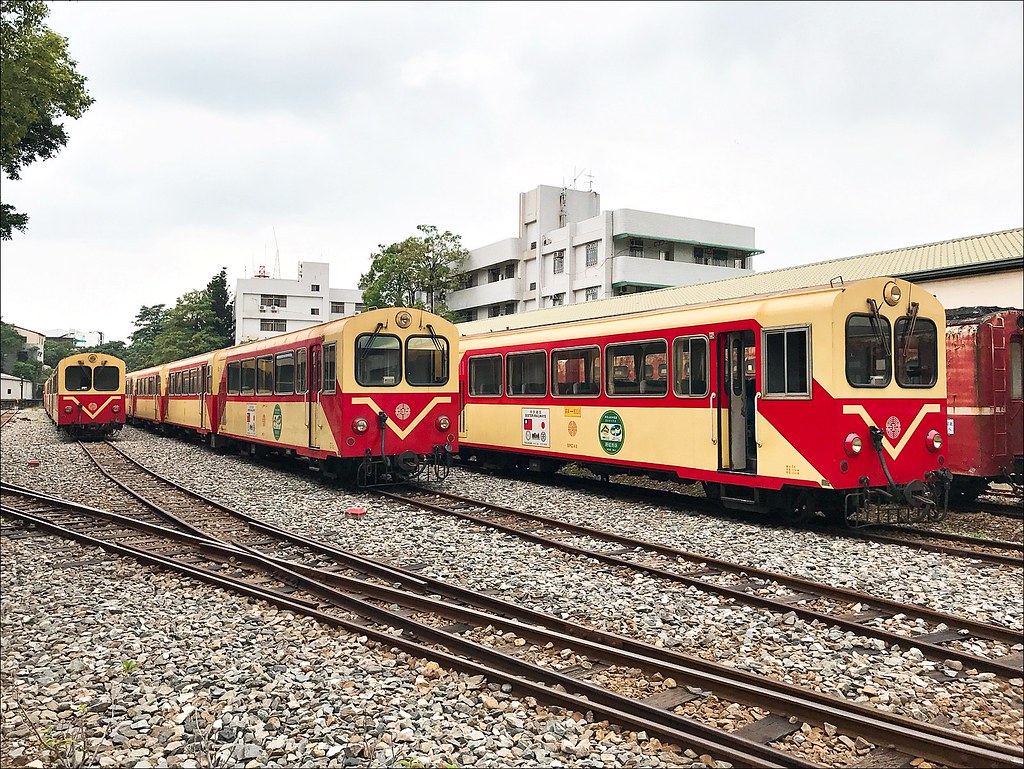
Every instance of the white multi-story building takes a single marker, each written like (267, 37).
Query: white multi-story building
(266, 306)
(569, 251)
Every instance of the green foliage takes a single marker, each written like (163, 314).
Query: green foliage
(31, 370)
(54, 352)
(418, 272)
(223, 307)
(129, 667)
(39, 86)
(189, 328)
(11, 343)
(141, 352)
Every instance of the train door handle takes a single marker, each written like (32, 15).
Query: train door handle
(714, 438)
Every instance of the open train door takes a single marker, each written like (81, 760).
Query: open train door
(313, 395)
(737, 384)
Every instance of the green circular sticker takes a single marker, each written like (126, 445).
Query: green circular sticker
(277, 422)
(611, 432)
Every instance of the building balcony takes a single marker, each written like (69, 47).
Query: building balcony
(507, 290)
(630, 270)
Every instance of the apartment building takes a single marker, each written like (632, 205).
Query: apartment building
(266, 306)
(568, 251)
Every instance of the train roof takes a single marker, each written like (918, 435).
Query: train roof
(964, 254)
(965, 315)
(694, 297)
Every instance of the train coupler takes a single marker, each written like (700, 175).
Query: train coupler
(909, 504)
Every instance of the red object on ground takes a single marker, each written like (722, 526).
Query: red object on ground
(33, 463)
(356, 511)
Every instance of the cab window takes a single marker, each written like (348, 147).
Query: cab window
(234, 377)
(378, 360)
(917, 352)
(868, 361)
(426, 360)
(106, 379)
(330, 368)
(77, 378)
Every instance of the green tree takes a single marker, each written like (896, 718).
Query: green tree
(418, 272)
(11, 343)
(39, 85)
(56, 350)
(30, 369)
(141, 352)
(189, 328)
(223, 308)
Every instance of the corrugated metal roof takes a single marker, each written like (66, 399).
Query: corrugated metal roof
(915, 262)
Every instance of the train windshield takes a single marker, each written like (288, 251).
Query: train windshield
(426, 360)
(917, 356)
(106, 379)
(378, 360)
(868, 361)
(77, 378)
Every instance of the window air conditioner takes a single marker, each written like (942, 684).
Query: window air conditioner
(263, 308)
(273, 308)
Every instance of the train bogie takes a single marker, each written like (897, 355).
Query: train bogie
(824, 399)
(84, 395)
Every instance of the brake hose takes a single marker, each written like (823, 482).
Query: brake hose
(876, 440)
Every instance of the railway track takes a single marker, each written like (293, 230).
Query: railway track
(985, 550)
(358, 605)
(7, 415)
(813, 601)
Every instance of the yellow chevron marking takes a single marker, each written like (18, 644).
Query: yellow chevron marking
(894, 451)
(85, 409)
(402, 433)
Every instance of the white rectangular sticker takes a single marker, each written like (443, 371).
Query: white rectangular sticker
(250, 419)
(536, 428)
(949, 426)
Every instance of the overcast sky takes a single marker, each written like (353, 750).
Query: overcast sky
(833, 129)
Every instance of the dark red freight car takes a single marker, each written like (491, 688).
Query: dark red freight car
(984, 384)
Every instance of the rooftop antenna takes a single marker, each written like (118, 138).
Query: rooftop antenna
(583, 172)
(277, 257)
(262, 271)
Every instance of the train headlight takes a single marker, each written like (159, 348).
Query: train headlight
(891, 293)
(443, 423)
(360, 425)
(853, 444)
(67, 409)
(933, 440)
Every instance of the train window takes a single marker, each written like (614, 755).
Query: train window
(426, 360)
(576, 372)
(300, 370)
(329, 368)
(690, 355)
(637, 368)
(787, 362)
(106, 379)
(234, 378)
(917, 352)
(1016, 370)
(485, 375)
(77, 378)
(868, 360)
(265, 375)
(248, 376)
(378, 360)
(284, 373)
(526, 373)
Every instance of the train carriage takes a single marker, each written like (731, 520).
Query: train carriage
(373, 397)
(986, 398)
(826, 399)
(84, 395)
(146, 395)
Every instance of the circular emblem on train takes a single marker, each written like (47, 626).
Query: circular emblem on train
(403, 411)
(572, 429)
(611, 432)
(91, 406)
(892, 428)
(277, 422)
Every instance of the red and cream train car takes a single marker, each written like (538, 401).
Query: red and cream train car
(825, 399)
(985, 383)
(84, 395)
(373, 397)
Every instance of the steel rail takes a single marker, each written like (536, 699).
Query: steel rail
(930, 649)
(606, 704)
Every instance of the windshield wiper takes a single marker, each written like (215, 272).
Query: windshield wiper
(369, 345)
